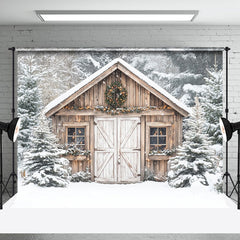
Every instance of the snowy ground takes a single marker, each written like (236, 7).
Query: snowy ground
(140, 195)
(147, 207)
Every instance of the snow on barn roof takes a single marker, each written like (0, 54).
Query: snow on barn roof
(70, 92)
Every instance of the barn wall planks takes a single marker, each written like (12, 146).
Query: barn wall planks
(60, 124)
(158, 164)
(138, 96)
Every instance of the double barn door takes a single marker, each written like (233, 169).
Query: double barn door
(117, 149)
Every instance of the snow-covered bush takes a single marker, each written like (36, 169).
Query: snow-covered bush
(81, 177)
(50, 176)
(149, 175)
(215, 180)
(43, 162)
(195, 159)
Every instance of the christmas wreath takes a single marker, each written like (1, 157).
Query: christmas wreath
(115, 95)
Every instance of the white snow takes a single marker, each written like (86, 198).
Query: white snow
(150, 207)
(71, 91)
(194, 88)
(188, 55)
(217, 148)
(94, 62)
(139, 195)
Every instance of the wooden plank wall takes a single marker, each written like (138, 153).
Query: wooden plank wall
(137, 95)
(60, 131)
(160, 167)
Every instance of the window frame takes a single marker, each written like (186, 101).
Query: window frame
(156, 137)
(168, 135)
(78, 125)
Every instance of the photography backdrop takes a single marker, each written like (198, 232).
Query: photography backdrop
(45, 75)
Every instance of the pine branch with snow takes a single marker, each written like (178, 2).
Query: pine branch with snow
(194, 158)
(29, 99)
(43, 162)
(81, 176)
(211, 99)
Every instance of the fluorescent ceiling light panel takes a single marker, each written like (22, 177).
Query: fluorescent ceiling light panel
(116, 16)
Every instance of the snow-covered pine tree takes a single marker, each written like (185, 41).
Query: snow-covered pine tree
(43, 163)
(211, 99)
(194, 158)
(29, 103)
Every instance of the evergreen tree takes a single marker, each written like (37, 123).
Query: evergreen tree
(194, 159)
(212, 106)
(43, 163)
(28, 99)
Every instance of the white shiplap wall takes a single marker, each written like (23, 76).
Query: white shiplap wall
(43, 36)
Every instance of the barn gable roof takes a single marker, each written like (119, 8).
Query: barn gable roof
(126, 68)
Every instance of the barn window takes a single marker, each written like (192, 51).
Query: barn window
(158, 138)
(76, 136)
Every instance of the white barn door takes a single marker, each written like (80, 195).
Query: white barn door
(128, 150)
(117, 149)
(105, 150)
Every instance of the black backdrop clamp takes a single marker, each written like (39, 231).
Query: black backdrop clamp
(227, 174)
(13, 174)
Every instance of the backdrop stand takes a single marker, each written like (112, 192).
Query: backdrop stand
(13, 174)
(227, 174)
(227, 130)
(238, 174)
(237, 185)
(12, 130)
(1, 173)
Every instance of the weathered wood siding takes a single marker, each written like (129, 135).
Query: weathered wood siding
(137, 95)
(158, 164)
(59, 126)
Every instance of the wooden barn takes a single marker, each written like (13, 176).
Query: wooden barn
(125, 125)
